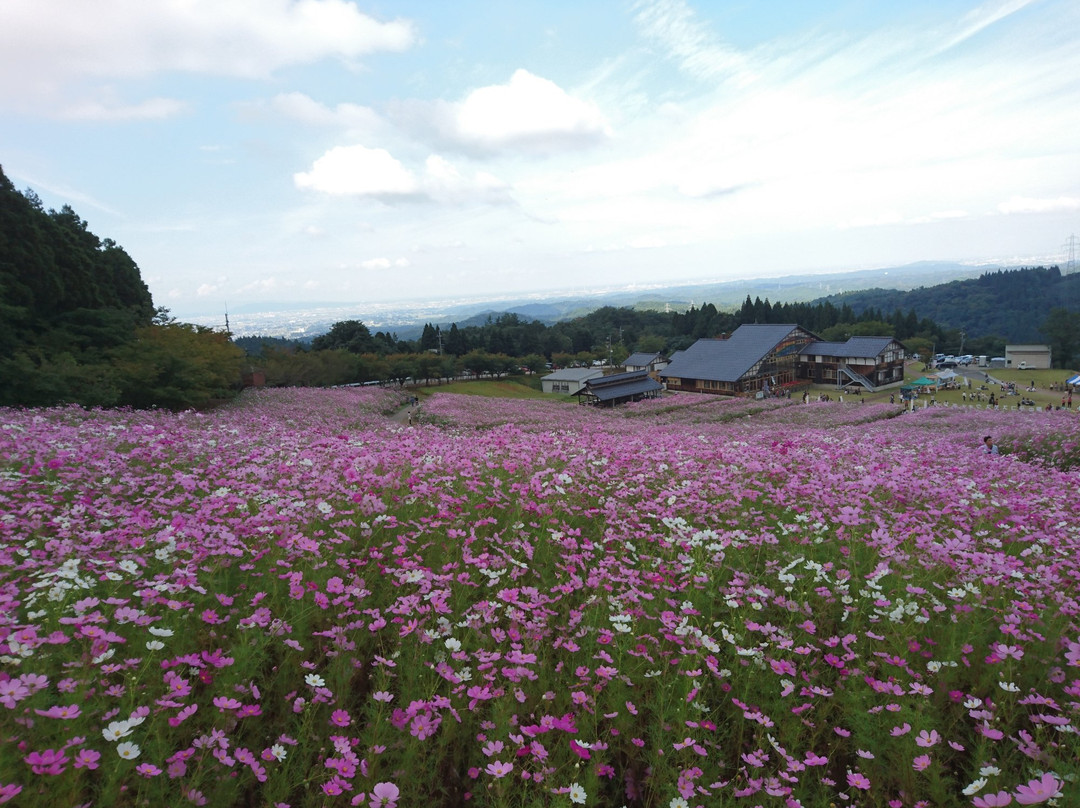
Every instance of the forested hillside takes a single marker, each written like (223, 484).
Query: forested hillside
(78, 325)
(1011, 304)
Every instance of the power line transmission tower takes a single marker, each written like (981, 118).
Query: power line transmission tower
(1070, 254)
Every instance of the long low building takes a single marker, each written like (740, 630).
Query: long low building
(568, 380)
(763, 358)
(619, 388)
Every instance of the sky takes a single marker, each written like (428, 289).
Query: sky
(296, 152)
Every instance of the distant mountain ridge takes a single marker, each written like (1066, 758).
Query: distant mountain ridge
(407, 319)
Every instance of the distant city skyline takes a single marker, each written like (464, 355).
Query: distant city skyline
(280, 152)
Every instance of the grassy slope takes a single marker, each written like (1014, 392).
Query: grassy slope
(529, 387)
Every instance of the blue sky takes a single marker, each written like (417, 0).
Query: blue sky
(270, 152)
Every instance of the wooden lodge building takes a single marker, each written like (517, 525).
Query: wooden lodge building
(754, 358)
(764, 358)
(872, 362)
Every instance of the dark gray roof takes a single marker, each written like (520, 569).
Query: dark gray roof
(727, 360)
(641, 359)
(621, 385)
(854, 347)
(573, 374)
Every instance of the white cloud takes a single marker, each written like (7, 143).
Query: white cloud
(673, 25)
(384, 263)
(528, 114)
(1023, 204)
(304, 109)
(360, 171)
(112, 110)
(206, 289)
(984, 16)
(68, 42)
(264, 285)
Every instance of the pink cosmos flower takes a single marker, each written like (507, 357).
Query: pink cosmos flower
(421, 727)
(384, 795)
(858, 780)
(340, 718)
(1039, 790)
(65, 711)
(992, 800)
(499, 769)
(927, 739)
(87, 758)
(9, 791)
(920, 763)
(47, 761)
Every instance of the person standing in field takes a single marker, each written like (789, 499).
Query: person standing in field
(989, 447)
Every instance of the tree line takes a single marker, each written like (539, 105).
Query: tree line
(508, 343)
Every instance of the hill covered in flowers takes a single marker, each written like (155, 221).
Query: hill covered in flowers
(295, 600)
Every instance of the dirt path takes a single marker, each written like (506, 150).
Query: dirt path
(404, 415)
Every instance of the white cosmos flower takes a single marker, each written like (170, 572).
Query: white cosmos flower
(127, 750)
(116, 730)
(975, 786)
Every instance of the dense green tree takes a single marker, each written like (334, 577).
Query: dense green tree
(534, 363)
(1062, 330)
(178, 366)
(430, 339)
(349, 335)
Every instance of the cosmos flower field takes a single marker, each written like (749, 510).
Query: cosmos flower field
(296, 601)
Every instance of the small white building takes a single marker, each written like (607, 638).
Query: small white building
(569, 380)
(1025, 357)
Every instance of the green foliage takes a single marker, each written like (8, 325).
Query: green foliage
(1062, 330)
(78, 325)
(350, 335)
(178, 366)
(1010, 304)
